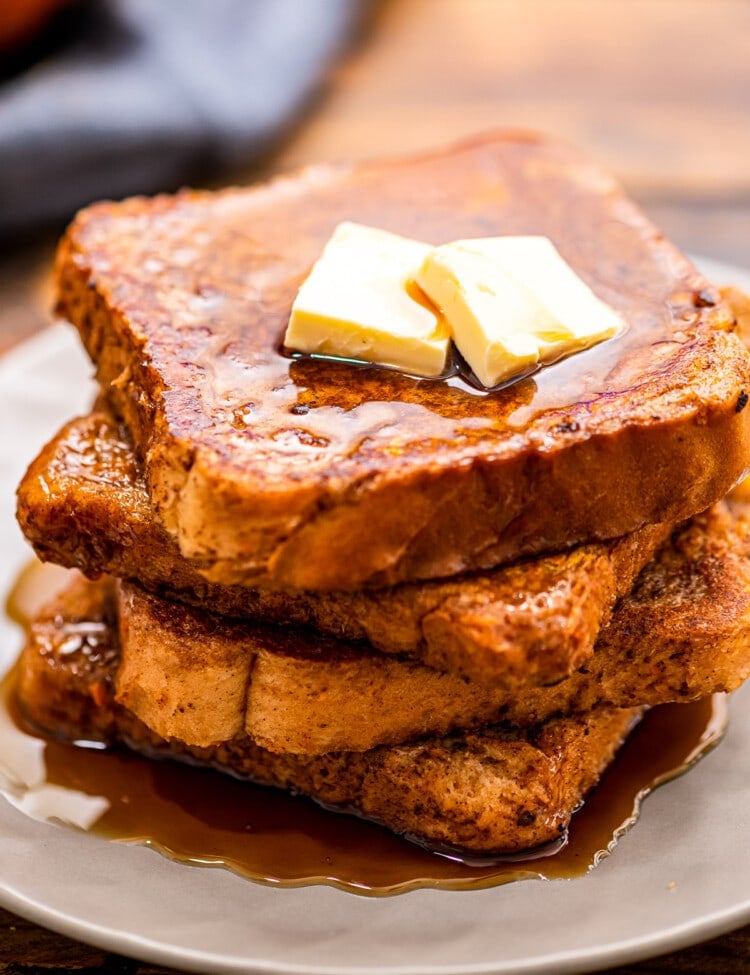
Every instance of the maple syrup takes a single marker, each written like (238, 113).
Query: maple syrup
(201, 817)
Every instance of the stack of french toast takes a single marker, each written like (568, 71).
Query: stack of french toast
(440, 607)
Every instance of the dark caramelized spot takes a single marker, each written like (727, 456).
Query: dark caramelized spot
(704, 299)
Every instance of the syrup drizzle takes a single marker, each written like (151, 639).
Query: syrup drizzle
(200, 817)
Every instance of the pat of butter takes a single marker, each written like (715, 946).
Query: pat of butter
(513, 302)
(494, 319)
(355, 304)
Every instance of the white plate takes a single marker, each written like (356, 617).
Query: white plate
(682, 875)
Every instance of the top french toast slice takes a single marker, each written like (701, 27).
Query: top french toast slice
(301, 473)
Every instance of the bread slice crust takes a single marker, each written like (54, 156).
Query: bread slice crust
(83, 504)
(297, 473)
(683, 633)
(496, 790)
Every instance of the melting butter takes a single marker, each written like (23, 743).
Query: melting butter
(513, 303)
(510, 304)
(355, 304)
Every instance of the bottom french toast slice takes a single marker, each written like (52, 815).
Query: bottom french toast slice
(498, 789)
(683, 633)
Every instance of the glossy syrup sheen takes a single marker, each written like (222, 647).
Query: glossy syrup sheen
(201, 817)
(216, 277)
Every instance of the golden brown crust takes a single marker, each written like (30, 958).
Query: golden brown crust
(683, 633)
(303, 474)
(83, 504)
(488, 791)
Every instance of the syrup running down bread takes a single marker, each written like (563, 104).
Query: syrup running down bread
(495, 789)
(197, 815)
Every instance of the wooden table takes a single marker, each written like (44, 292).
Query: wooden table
(658, 89)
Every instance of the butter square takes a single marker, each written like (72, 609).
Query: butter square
(355, 304)
(512, 303)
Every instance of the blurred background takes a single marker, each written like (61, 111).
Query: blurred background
(104, 98)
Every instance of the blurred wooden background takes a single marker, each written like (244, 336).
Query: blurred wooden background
(659, 90)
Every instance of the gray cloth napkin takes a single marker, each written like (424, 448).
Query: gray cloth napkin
(151, 92)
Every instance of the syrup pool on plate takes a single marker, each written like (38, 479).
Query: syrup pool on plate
(201, 817)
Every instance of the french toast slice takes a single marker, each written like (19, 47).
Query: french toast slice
(683, 633)
(499, 789)
(300, 473)
(83, 504)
